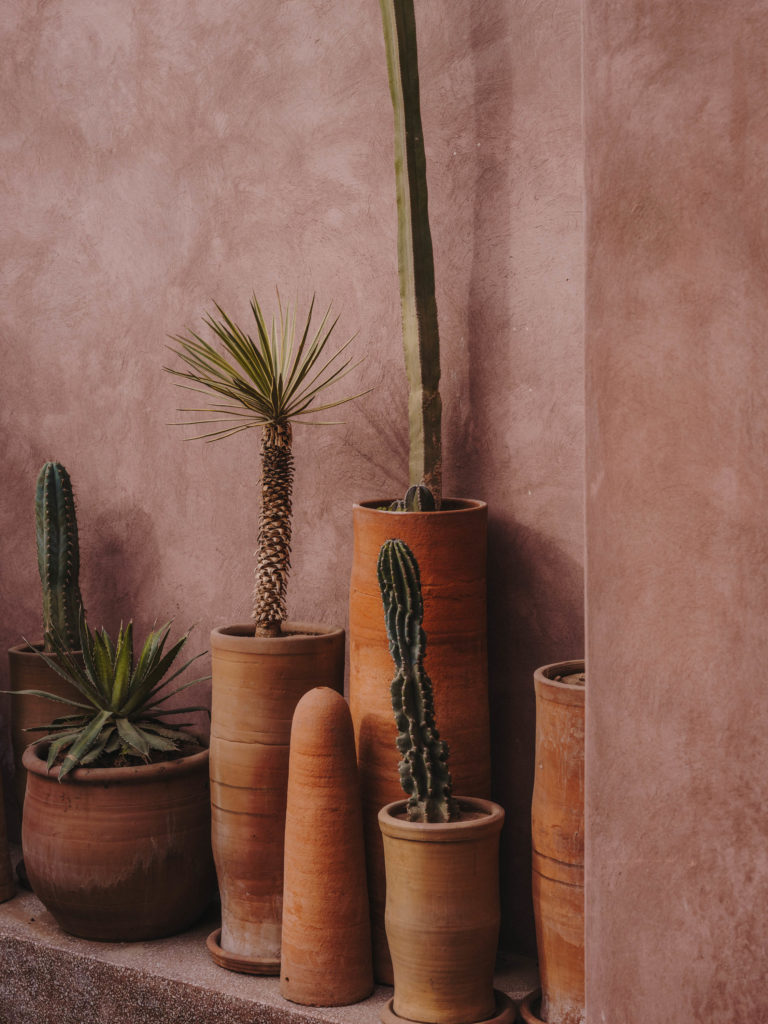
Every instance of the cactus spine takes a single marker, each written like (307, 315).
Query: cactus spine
(58, 555)
(424, 773)
(421, 338)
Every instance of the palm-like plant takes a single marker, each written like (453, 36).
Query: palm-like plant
(120, 712)
(270, 382)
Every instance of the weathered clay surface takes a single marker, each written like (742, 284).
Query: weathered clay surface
(677, 491)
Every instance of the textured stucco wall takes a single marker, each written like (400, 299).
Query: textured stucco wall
(676, 136)
(158, 156)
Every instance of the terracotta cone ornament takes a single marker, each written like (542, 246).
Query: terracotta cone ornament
(326, 947)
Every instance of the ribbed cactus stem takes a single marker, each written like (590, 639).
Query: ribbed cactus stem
(58, 555)
(418, 498)
(424, 773)
(421, 338)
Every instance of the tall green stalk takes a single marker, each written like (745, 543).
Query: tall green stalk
(421, 339)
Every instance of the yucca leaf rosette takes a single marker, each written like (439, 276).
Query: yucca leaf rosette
(270, 380)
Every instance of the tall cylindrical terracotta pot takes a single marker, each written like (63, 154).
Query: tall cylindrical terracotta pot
(257, 683)
(28, 671)
(442, 913)
(557, 822)
(120, 854)
(450, 547)
(326, 951)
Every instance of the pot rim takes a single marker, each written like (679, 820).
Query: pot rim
(239, 637)
(545, 675)
(442, 831)
(29, 650)
(463, 505)
(134, 773)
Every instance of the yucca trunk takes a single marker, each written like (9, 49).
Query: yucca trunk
(274, 549)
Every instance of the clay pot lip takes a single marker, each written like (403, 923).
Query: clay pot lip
(27, 650)
(135, 773)
(443, 832)
(239, 637)
(545, 676)
(459, 506)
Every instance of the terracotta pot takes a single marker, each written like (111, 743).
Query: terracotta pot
(557, 822)
(28, 671)
(257, 683)
(326, 951)
(450, 547)
(442, 913)
(120, 854)
(7, 886)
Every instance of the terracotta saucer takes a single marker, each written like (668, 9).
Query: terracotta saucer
(236, 961)
(505, 1011)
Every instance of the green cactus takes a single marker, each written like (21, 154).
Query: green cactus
(58, 555)
(421, 338)
(417, 499)
(424, 773)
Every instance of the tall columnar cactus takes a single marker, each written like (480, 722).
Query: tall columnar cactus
(58, 555)
(424, 773)
(421, 339)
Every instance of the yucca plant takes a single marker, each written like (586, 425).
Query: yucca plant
(270, 381)
(120, 713)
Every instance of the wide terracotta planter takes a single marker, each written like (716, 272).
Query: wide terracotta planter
(326, 951)
(450, 547)
(557, 823)
(120, 854)
(28, 671)
(442, 914)
(257, 683)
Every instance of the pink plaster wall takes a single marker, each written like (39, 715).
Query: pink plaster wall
(158, 156)
(676, 135)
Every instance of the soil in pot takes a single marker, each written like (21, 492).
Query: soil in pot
(120, 854)
(450, 547)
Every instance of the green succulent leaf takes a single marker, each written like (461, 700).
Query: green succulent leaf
(269, 376)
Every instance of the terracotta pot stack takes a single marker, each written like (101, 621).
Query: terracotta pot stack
(257, 683)
(450, 547)
(326, 949)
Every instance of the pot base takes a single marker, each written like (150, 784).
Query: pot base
(238, 962)
(505, 1011)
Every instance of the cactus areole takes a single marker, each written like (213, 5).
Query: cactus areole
(424, 773)
(421, 339)
(58, 555)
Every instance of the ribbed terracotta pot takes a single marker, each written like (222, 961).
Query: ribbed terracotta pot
(28, 671)
(557, 823)
(257, 683)
(442, 914)
(7, 885)
(450, 547)
(326, 952)
(120, 854)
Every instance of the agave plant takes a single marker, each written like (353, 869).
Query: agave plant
(120, 712)
(270, 382)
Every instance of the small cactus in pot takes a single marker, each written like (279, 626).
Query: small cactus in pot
(58, 555)
(424, 773)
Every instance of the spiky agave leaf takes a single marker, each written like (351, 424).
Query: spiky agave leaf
(122, 696)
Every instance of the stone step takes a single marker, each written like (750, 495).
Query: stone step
(49, 977)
